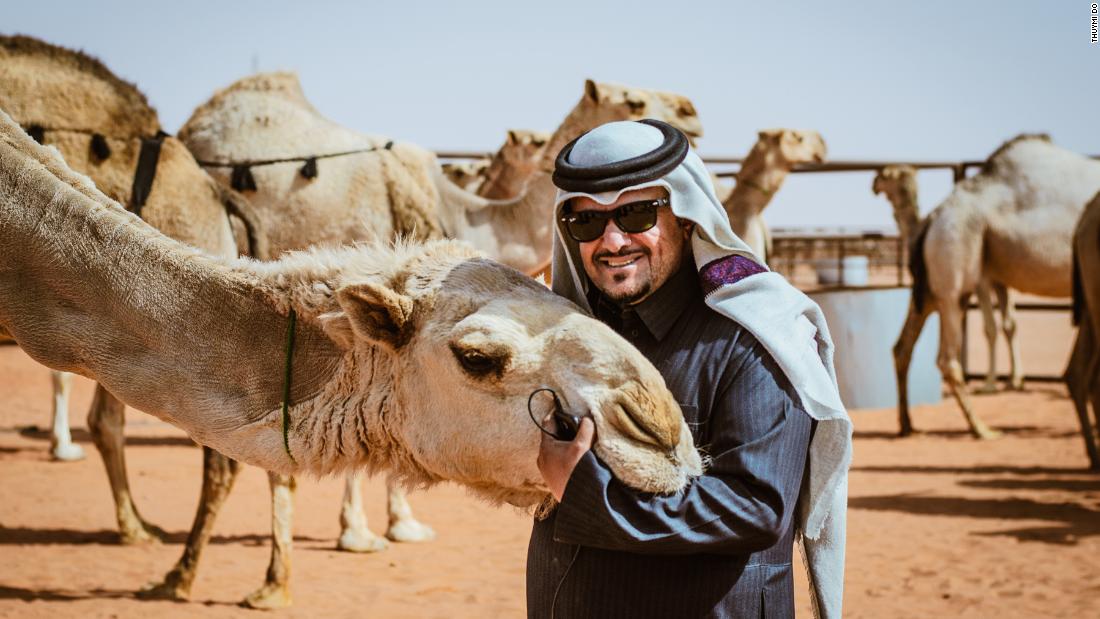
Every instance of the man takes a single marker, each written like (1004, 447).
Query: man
(643, 243)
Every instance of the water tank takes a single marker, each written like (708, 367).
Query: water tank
(865, 324)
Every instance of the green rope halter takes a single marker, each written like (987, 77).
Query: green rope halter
(286, 383)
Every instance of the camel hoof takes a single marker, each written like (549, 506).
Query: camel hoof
(352, 540)
(986, 434)
(141, 535)
(987, 388)
(268, 597)
(69, 452)
(409, 531)
(164, 591)
(1017, 385)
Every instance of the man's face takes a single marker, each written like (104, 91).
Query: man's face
(629, 267)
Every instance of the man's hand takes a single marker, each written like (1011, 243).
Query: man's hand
(557, 459)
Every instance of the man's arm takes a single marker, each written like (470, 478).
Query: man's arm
(743, 503)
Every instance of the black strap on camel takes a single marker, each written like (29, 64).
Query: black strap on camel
(628, 172)
(145, 172)
(241, 179)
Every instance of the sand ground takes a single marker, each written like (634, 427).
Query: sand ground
(939, 525)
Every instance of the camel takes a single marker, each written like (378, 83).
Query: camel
(1012, 225)
(382, 187)
(514, 164)
(1083, 372)
(468, 175)
(418, 358)
(505, 174)
(762, 174)
(899, 184)
(398, 190)
(98, 122)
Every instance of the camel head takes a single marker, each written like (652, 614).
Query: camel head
(616, 102)
(523, 148)
(792, 146)
(899, 184)
(470, 341)
(466, 174)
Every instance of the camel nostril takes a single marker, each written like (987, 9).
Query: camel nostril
(646, 420)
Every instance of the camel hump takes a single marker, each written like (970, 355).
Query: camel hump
(51, 86)
(992, 163)
(917, 267)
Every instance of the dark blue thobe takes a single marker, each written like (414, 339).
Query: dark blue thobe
(723, 547)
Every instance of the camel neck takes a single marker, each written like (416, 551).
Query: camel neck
(89, 288)
(757, 181)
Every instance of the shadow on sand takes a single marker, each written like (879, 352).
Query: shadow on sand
(1071, 521)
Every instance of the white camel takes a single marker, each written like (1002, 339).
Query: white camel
(762, 173)
(90, 288)
(1011, 224)
(380, 189)
(1083, 372)
(899, 184)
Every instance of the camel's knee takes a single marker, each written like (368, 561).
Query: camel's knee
(106, 417)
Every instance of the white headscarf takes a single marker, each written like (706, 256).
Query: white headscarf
(788, 324)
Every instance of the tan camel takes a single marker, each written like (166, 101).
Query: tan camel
(899, 184)
(1083, 372)
(90, 288)
(1011, 224)
(97, 122)
(514, 164)
(266, 114)
(505, 174)
(384, 191)
(762, 174)
(469, 175)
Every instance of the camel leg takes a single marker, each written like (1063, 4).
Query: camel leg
(106, 418)
(354, 534)
(903, 355)
(1008, 324)
(1078, 382)
(62, 446)
(989, 322)
(950, 344)
(404, 527)
(275, 593)
(218, 475)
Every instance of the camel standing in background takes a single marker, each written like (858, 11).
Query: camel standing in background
(468, 175)
(514, 164)
(505, 174)
(899, 183)
(1083, 372)
(419, 359)
(761, 175)
(381, 189)
(98, 122)
(1011, 224)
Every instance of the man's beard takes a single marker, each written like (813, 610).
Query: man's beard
(632, 297)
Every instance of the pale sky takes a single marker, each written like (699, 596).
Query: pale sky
(937, 79)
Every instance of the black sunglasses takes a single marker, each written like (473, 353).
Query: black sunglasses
(632, 218)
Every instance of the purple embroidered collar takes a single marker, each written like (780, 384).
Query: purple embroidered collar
(728, 270)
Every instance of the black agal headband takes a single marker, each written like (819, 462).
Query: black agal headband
(619, 174)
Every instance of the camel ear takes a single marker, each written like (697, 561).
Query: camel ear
(768, 135)
(377, 313)
(512, 137)
(592, 91)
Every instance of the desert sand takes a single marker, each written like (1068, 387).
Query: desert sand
(939, 524)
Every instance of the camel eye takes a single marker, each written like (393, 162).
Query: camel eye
(477, 363)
